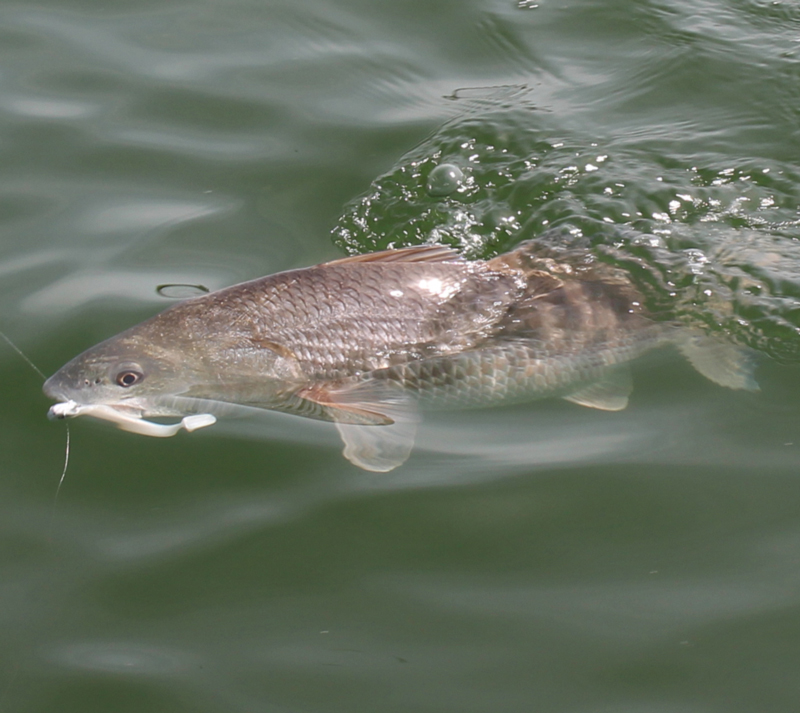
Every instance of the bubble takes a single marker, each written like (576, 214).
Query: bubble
(444, 180)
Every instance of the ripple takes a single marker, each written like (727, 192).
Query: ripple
(48, 108)
(86, 286)
(120, 657)
(139, 215)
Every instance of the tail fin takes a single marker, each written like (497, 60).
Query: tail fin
(722, 362)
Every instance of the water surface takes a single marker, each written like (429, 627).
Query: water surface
(542, 557)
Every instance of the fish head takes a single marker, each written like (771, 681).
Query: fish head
(182, 362)
(126, 373)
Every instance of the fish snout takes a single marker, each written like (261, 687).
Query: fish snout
(54, 388)
(62, 387)
(72, 385)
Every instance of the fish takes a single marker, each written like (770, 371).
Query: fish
(371, 341)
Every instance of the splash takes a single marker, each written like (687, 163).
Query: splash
(710, 240)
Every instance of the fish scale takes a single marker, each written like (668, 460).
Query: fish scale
(358, 331)
(508, 373)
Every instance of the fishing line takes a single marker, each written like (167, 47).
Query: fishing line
(66, 425)
(22, 354)
(60, 482)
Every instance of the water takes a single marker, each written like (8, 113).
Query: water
(541, 557)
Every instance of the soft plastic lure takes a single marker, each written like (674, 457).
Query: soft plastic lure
(130, 421)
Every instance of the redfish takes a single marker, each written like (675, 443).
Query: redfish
(368, 341)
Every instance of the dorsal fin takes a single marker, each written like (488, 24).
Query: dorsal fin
(416, 253)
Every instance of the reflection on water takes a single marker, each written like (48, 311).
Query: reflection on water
(485, 440)
(483, 445)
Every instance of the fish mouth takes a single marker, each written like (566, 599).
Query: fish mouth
(70, 409)
(129, 418)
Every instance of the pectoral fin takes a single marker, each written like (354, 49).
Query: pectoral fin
(378, 448)
(722, 362)
(376, 421)
(609, 394)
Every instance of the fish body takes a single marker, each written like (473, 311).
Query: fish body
(365, 341)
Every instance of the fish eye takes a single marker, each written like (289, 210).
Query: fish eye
(129, 377)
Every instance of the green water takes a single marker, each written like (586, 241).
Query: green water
(536, 558)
